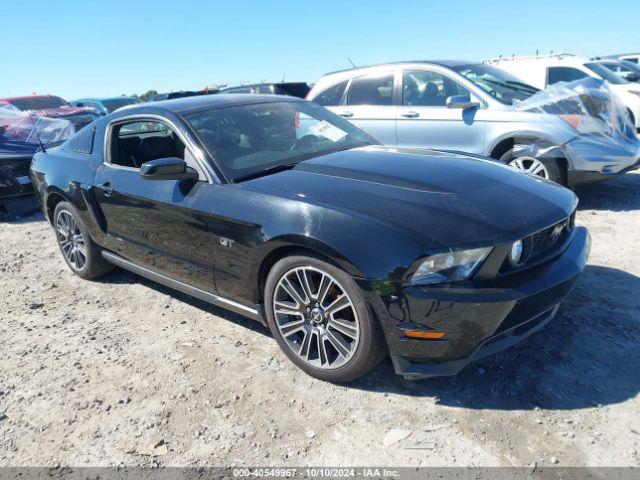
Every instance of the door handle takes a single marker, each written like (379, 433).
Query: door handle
(107, 189)
(411, 114)
(346, 114)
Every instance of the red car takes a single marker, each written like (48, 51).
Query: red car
(52, 106)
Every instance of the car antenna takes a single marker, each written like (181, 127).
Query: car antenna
(284, 75)
(351, 62)
(35, 128)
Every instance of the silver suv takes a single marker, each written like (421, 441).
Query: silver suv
(467, 107)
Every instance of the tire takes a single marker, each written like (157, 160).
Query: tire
(553, 168)
(340, 344)
(87, 261)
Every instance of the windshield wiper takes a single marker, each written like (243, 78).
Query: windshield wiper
(526, 86)
(265, 171)
(510, 85)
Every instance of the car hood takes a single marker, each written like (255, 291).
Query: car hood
(439, 199)
(10, 149)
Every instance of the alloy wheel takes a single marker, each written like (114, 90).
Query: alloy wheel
(71, 240)
(316, 317)
(530, 165)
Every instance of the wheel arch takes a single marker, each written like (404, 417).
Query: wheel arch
(54, 197)
(295, 245)
(503, 144)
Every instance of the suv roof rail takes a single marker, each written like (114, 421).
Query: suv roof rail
(528, 57)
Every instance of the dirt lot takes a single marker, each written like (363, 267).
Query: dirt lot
(125, 372)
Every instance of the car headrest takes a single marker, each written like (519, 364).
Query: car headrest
(153, 148)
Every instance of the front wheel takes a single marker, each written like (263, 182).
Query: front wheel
(547, 168)
(318, 316)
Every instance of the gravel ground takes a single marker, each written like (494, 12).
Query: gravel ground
(122, 371)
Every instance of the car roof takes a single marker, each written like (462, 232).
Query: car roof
(102, 99)
(275, 84)
(203, 102)
(441, 63)
(26, 97)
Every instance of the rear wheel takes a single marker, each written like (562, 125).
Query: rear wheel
(80, 252)
(550, 169)
(318, 316)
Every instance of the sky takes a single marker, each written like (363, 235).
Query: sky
(109, 48)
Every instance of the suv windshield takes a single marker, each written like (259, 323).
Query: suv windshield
(115, 103)
(499, 84)
(38, 103)
(605, 73)
(252, 140)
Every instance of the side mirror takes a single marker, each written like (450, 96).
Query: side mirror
(632, 76)
(171, 168)
(461, 101)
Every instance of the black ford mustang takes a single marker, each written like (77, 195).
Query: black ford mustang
(280, 210)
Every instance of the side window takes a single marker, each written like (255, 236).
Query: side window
(332, 95)
(422, 88)
(371, 90)
(134, 143)
(631, 59)
(564, 74)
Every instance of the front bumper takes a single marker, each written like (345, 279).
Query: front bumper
(578, 177)
(478, 321)
(14, 177)
(594, 160)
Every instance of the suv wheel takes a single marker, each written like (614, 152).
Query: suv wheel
(549, 169)
(318, 316)
(80, 252)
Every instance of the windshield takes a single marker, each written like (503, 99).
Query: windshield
(605, 73)
(38, 103)
(116, 103)
(499, 84)
(255, 139)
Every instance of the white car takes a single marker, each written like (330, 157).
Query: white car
(541, 71)
(629, 57)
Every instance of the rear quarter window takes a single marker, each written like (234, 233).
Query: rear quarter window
(81, 142)
(331, 96)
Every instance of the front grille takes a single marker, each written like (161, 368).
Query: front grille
(546, 239)
(17, 170)
(542, 244)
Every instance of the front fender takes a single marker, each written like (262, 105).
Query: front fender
(538, 140)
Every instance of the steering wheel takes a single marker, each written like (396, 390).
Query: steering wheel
(304, 141)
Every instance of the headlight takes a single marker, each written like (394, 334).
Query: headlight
(449, 267)
(585, 124)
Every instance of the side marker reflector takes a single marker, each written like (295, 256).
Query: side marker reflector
(423, 334)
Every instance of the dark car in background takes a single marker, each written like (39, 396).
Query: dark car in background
(15, 184)
(54, 107)
(293, 89)
(21, 135)
(286, 213)
(104, 106)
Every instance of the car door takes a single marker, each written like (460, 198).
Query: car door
(155, 224)
(425, 121)
(370, 104)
